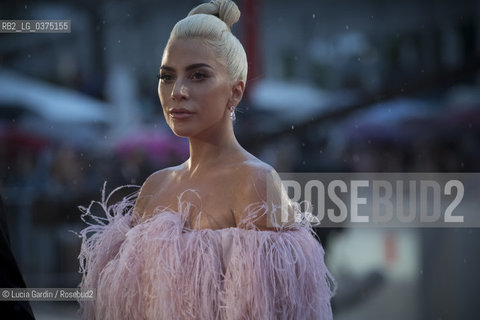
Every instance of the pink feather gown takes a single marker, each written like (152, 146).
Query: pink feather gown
(160, 269)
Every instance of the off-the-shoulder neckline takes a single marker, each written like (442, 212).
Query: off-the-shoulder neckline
(126, 205)
(220, 230)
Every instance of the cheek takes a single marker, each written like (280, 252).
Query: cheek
(162, 94)
(218, 95)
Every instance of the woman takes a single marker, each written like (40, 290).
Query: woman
(215, 237)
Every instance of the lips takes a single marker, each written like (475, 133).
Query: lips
(180, 113)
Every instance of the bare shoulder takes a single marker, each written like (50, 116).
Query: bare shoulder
(150, 187)
(254, 177)
(258, 183)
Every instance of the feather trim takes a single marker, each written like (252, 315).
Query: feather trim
(159, 269)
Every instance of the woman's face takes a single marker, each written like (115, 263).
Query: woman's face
(194, 88)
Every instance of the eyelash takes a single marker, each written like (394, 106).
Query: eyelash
(197, 75)
(163, 77)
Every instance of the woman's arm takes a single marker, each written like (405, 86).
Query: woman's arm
(273, 275)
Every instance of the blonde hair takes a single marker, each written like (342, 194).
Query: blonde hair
(211, 22)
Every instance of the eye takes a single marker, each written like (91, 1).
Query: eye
(199, 75)
(164, 77)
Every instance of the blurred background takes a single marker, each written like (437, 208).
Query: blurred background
(334, 86)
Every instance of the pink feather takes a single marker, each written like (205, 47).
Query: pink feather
(159, 269)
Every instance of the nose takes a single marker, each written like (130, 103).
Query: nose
(179, 90)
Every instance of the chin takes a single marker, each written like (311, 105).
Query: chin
(182, 132)
(188, 130)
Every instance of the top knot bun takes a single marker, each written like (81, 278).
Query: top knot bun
(225, 10)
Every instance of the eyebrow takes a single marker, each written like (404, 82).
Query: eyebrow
(190, 67)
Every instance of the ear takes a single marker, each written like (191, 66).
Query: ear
(237, 93)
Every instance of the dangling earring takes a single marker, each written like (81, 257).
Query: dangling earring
(232, 113)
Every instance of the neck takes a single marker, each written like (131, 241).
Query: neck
(211, 149)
